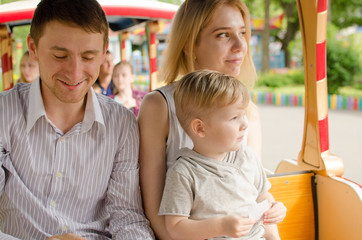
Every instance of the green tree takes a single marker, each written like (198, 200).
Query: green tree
(177, 2)
(345, 13)
(343, 62)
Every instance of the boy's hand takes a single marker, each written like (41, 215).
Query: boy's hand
(275, 214)
(236, 226)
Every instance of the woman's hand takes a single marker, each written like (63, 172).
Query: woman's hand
(236, 226)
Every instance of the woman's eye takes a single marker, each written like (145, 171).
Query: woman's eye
(242, 34)
(223, 35)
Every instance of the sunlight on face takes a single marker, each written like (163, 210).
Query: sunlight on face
(69, 61)
(222, 45)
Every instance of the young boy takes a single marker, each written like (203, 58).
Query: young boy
(211, 190)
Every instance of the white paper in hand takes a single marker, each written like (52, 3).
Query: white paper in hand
(257, 211)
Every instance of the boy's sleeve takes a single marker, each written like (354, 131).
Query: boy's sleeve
(177, 196)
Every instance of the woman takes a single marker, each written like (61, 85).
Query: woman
(207, 34)
(29, 69)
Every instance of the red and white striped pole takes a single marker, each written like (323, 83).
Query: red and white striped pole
(315, 154)
(6, 58)
(151, 31)
(321, 78)
(124, 36)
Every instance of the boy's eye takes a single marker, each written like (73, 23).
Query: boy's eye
(234, 118)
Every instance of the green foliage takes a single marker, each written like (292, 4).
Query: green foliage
(273, 80)
(177, 2)
(346, 13)
(343, 63)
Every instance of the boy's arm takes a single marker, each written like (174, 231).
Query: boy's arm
(274, 215)
(180, 227)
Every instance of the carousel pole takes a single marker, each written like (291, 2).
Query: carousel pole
(6, 57)
(315, 154)
(123, 38)
(151, 30)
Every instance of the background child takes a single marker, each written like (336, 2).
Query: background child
(123, 78)
(210, 189)
(29, 69)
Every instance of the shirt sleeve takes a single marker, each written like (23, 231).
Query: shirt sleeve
(127, 219)
(177, 198)
(3, 155)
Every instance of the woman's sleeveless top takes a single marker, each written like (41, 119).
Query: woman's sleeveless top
(177, 137)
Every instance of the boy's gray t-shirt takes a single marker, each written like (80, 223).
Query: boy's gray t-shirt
(198, 187)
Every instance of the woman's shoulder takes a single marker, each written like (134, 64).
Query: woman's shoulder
(153, 108)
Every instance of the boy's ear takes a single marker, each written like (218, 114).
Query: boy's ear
(198, 128)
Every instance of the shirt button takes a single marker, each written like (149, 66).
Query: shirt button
(62, 139)
(59, 174)
(64, 228)
(53, 203)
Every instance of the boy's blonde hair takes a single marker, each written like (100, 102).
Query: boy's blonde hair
(187, 24)
(198, 93)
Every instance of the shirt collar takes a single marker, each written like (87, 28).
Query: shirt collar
(36, 106)
(93, 112)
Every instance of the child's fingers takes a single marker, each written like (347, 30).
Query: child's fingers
(275, 214)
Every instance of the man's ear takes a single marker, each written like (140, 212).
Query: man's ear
(198, 128)
(32, 48)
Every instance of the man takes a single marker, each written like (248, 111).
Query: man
(68, 157)
(104, 83)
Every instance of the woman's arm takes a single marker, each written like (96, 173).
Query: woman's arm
(153, 124)
(181, 227)
(254, 135)
(274, 215)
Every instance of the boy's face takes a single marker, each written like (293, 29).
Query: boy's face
(225, 128)
(69, 61)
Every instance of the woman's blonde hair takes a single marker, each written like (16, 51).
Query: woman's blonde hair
(199, 93)
(187, 24)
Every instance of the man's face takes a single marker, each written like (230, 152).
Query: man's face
(69, 61)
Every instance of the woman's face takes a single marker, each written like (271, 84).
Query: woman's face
(222, 45)
(29, 68)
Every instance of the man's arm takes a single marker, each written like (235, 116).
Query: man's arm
(3, 155)
(123, 196)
